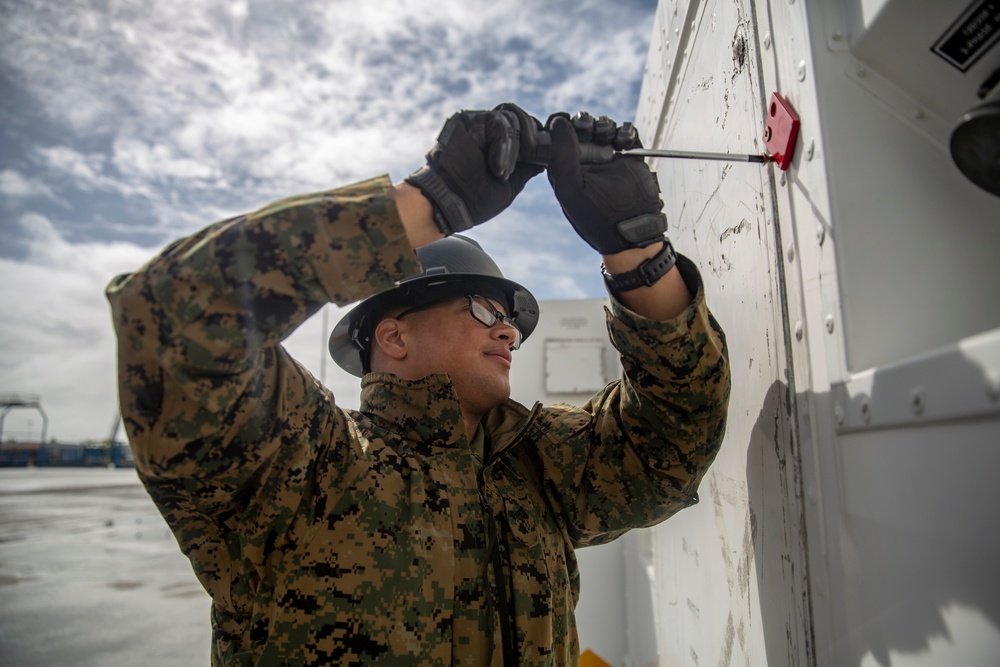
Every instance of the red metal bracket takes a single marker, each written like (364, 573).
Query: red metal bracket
(781, 129)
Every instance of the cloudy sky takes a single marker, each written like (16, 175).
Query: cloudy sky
(126, 124)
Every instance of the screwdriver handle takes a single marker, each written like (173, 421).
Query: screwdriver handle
(589, 153)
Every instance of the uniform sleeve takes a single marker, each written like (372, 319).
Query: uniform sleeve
(209, 398)
(636, 453)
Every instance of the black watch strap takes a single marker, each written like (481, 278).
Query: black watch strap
(646, 273)
(451, 215)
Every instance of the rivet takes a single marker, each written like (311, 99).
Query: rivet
(993, 384)
(829, 323)
(781, 179)
(838, 413)
(918, 401)
(790, 252)
(811, 151)
(918, 114)
(861, 71)
(866, 410)
(798, 330)
(767, 41)
(820, 233)
(836, 37)
(801, 70)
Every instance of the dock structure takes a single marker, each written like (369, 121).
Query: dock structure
(10, 401)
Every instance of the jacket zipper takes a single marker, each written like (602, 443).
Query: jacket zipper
(494, 557)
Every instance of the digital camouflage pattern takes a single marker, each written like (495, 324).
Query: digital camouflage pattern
(335, 537)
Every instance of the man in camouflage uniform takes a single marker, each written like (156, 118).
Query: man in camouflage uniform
(437, 524)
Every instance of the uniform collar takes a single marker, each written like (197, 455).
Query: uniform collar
(422, 411)
(427, 411)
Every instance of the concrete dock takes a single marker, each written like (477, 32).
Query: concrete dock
(91, 576)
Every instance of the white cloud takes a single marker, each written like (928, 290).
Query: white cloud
(57, 340)
(15, 185)
(85, 170)
(298, 96)
(156, 162)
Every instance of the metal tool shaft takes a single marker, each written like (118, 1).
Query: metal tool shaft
(591, 153)
(694, 155)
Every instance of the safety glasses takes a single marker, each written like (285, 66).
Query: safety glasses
(483, 311)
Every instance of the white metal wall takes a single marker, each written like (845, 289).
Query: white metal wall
(851, 516)
(717, 567)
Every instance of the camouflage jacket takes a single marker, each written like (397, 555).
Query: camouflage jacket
(336, 537)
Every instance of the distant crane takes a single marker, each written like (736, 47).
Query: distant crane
(109, 445)
(10, 401)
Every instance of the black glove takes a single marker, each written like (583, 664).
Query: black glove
(614, 205)
(473, 172)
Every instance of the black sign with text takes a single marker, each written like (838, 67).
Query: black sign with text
(974, 33)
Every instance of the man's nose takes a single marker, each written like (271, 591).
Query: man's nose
(504, 330)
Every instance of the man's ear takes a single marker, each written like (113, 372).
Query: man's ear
(388, 337)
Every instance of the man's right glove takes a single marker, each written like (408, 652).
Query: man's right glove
(473, 172)
(612, 205)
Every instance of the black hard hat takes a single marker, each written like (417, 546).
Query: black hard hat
(452, 267)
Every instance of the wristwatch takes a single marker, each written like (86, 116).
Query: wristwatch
(646, 273)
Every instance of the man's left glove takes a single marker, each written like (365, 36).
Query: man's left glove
(613, 205)
(473, 172)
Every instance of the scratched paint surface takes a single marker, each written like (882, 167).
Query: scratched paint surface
(727, 575)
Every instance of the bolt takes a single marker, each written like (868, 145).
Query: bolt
(838, 414)
(829, 323)
(918, 114)
(918, 401)
(866, 410)
(836, 37)
(861, 71)
(811, 151)
(798, 330)
(993, 384)
(801, 70)
(790, 252)
(781, 180)
(767, 41)
(820, 233)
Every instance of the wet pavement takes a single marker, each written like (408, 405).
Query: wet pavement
(90, 574)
